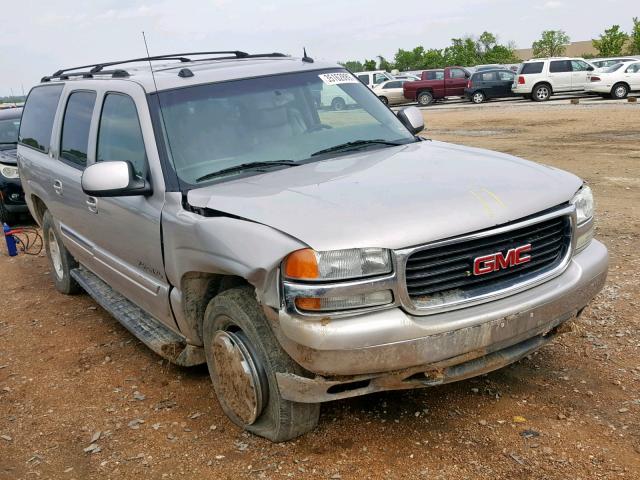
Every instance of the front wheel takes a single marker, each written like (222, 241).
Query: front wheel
(478, 97)
(619, 91)
(425, 98)
(60, 260)
(385, 100)
(338, 104)
(243, 357)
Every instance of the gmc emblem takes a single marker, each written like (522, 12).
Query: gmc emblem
(499, 261)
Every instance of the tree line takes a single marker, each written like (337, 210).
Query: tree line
(485, 49)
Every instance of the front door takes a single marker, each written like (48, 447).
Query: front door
(560, 75)
(126, 231)
(580, 71)
(456, 83)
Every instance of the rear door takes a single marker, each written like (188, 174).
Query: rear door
(456, 83)
(580, 71)
(560, 75)
(632, 76)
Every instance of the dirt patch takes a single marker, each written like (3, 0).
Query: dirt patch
(81, 398)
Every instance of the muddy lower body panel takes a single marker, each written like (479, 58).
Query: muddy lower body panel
(434, 349)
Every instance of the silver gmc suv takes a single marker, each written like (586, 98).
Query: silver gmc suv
(212, 205)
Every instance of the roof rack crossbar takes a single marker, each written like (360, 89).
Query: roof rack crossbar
(96, 67)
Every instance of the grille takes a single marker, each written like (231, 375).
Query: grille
(434, 274)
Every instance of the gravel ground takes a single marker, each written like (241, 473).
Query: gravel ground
(80, 398)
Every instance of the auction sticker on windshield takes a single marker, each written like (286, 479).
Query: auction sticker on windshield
(337, 78)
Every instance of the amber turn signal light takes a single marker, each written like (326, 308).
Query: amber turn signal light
(302, 265)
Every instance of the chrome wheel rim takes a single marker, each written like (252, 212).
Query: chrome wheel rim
(239, 381)
(425, 100)
(620, 91)
(542, 93)
(55, 254)
(478, 97)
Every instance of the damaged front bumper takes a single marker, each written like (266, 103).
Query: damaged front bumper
(390, 349)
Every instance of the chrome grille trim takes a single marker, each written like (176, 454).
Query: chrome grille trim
(493, 290)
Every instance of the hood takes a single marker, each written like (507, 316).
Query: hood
(392, 197)
(9, 156)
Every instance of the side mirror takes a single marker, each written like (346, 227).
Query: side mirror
(590, 68)
(113, 179)
(411, 117)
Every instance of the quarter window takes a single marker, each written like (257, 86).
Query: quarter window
(37, 117)
(120, 135)
(533, 67)
(75, 127)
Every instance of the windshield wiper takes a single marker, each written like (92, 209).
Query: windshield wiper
(246, 166)
(355, 145)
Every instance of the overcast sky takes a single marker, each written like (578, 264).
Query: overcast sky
(39, 36)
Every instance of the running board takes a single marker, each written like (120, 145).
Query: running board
(159, 338)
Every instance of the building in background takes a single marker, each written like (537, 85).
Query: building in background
(574, 49)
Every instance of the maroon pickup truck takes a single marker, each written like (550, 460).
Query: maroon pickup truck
(436, 84)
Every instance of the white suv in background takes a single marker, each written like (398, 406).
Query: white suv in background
(540, 78)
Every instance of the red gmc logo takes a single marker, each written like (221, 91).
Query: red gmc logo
(499, 261)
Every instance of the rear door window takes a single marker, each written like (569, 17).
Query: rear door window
(119, 135)
(37, 117)
(531, 68)
(364, 79)
(457, 73)
(559, 66)
(397, 84)
(488, 76)
(506, 76)
(75, 128)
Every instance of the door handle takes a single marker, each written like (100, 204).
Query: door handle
(57, 187)
(92, 204)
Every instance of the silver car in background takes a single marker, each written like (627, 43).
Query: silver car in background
(223, 215)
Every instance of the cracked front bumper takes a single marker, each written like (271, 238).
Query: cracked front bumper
(388, 341)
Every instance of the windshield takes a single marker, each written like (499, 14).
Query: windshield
(9, 132)
(612, 68)
(214, 127)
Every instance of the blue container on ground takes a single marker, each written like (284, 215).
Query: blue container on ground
(11, 242)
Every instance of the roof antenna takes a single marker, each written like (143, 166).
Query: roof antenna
(304, 56)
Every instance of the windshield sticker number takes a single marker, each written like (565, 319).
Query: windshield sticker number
(337, 78)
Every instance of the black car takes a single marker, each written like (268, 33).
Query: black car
(12, 202)
(487, 84)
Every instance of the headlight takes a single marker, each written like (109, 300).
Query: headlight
(583, 200)
(310, 265)
(8, 171)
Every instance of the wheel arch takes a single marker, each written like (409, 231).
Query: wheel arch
(543, 82)
(38, 208)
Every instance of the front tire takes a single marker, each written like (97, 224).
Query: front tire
(60, 260)
(425, 98)
(541, 93)
(478, 97)
(385, 100)
(619, 91)
(338, 104)
(243, 357)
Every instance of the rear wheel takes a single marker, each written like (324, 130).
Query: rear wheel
(60, 259)
(478, 97)
(619, 91)
(385, 100)
(541, 93)
(243, 357)
(425, 98)
(338, 104)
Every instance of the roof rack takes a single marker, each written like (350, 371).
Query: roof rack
(98, 68)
